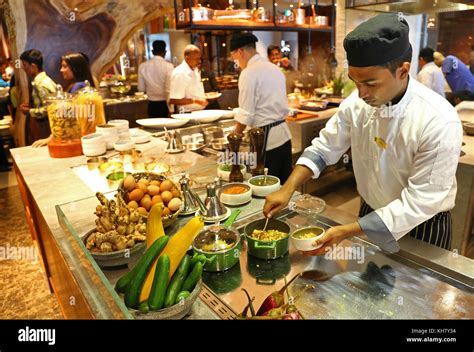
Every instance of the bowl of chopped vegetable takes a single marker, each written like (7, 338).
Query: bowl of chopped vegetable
(304, 239)
(236, 194)
(223, 171)
(272, 243)
(220, 245)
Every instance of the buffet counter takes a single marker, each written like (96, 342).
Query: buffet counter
(59, 206)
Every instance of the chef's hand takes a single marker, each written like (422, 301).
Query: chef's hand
(24, 108)
(333, 236)
(276, 201)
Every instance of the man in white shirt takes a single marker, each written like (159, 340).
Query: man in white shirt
(263, 103)
(405, 142)
(153, 78)
(186, 89)
(430, 75)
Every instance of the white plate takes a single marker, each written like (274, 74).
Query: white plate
(207, 115)
(163, 122)
(213, 95)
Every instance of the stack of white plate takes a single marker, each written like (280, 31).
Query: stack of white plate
(110, 133)
(93, 144)
(122, 126)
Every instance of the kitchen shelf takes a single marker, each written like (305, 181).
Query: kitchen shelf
(272, 24)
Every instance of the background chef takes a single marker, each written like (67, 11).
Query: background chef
(263, 103)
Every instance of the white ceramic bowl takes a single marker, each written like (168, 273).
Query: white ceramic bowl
(236, 199)
(263, 191)
(123, 146)
(93, 140)
(94, 150)
(122, 125)
(107, 129)
(139, 136)
(224, 175)
(307, 244)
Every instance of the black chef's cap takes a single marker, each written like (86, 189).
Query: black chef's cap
(378, 41)
(240, 40)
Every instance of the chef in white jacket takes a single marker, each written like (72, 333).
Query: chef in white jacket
(405, 141)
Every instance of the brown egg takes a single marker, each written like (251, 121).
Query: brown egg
(153, 190)
(166, 196)
(165, 212)
(136, 195)
(146, 202)
(142, 211)
(174, 204)
(166, 185)
(141, 186)
(156, 199)
(129, 183)
(144, 180)
(175, 193)
(155, 183)
(132, 204)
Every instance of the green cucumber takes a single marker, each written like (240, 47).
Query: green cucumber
(143, 307)
(132, 294)
(160, 281)
(177, 281)
(182, 296)
(193, 278)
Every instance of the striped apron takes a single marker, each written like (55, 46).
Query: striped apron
(436, 231)
(266, 131)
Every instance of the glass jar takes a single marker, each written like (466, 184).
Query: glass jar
(89, 108)
(65, 128)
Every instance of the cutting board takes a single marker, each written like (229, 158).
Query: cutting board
(301, 116)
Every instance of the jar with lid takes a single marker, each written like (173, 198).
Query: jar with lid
(65, 127)
(89, 108)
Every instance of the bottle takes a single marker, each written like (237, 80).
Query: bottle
(166, 22)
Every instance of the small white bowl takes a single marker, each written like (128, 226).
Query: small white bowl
(263, 191)
(224, 175)
(93, 140)
(236, 199)
(307, 244)
(124, 145)
(93, 150)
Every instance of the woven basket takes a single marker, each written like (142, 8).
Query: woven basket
(150, 176)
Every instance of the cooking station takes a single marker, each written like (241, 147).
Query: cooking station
(421, 281)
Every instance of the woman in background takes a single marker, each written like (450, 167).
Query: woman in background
(75, 70)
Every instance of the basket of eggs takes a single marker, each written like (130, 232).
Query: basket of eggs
(142, 190)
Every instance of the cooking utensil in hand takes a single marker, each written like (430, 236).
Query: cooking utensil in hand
(266, 224)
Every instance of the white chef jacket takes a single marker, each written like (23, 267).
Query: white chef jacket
(263, 100)
(154, 78)
(404, 159)
(186, 83)
(432, 77)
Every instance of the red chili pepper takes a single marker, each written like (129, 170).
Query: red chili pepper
(276, 299)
